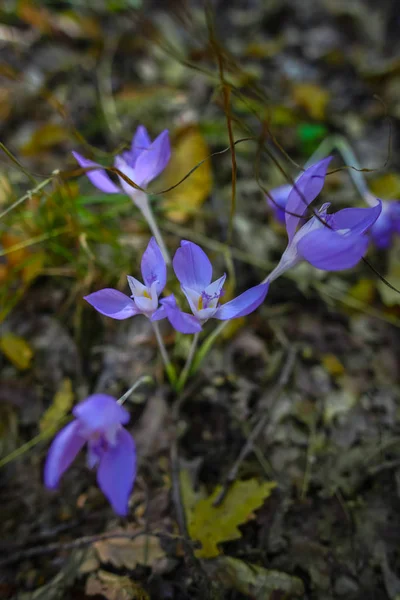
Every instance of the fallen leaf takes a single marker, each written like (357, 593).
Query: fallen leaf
(16, 257)
(61, 405)
(363, 291)
(338, 402)
(312, 98)
(17, 350)
(332, 364)
(212, 525)
(183, 201)
(114, 587)
(45, 138)
(125, 552)
(252, 580)
(386, 186)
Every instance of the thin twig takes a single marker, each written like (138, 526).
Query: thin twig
(80, 543)
(259, 427)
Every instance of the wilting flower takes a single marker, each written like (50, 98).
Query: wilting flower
(145, 297)
(194, 272)
(387, 224)
(98, 423)
(331, 242)
(141, 164)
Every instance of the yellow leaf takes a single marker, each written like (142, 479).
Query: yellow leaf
(332, 364)
(17, 350)
(60, 406)
(312, 98)
(45, 138)
(183, 201)
(386, 186)
(212, 525)
(33, 267)
(363, 290)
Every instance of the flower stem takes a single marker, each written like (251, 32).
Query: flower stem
(143, 379)
(143, 204)
(169, 367)
(339, 143)
(207, 345)
(189, 361)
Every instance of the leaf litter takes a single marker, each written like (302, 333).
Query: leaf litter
(329, 528)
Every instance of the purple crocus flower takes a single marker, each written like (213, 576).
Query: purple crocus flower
(145, 297)
(331, 242)
(141, 164)
(277, 200)
(194, 272)
(98, 423)
(387, 225)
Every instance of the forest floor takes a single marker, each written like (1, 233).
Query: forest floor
(313, 509)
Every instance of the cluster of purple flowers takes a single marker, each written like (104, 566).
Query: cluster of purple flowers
(328, 241)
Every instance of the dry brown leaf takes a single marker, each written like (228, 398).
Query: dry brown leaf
(125, 552)
(190, 149)
(114, 587)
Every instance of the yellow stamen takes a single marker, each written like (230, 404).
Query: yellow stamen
(200, 303)
(147, 295)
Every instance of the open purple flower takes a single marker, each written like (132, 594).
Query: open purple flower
(145, 296)
(387, 224)
(194, 272)
(331, 242)
(98, 423)
(141, 164)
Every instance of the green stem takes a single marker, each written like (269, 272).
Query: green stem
(142, 202)
(29, 194)
(339, 143)
(143, 379)
(169, 367)
(188, 365)
(207, 345)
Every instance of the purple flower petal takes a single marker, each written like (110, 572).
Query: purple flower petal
(121, 164)
(331, 251)
(394, 211)
(112, 303)
(244, 304)
(153, 160)
(306, 189)
(99, 412)
(192, 267)
(181, 321)
(214, 290)
(63, 451)
(359, 220)
(99, 178)
(278, 200)
(141, 141)
(117, 471)
(159, 314)
(153, 266)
